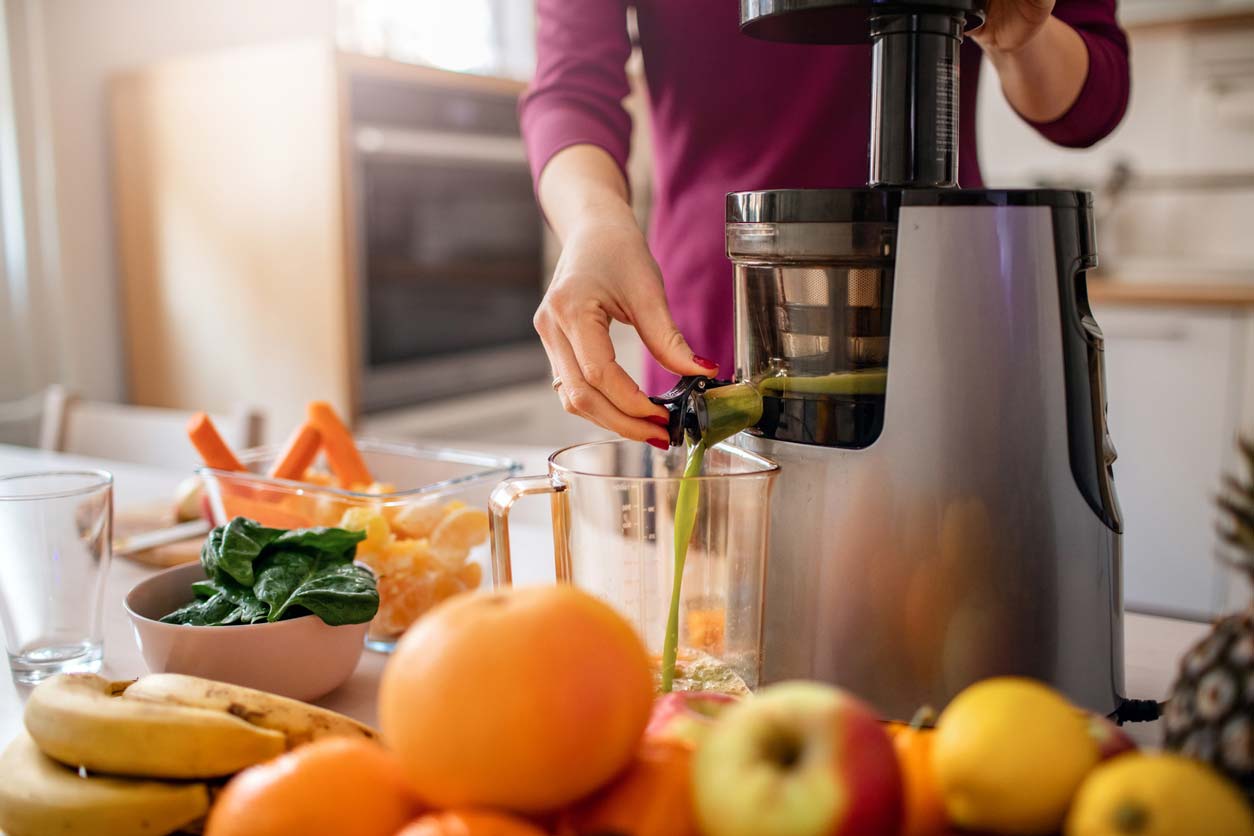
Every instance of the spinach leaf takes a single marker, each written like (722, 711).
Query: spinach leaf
(214, 611)
(344, 595)
(292, 578)
(335, 540)
(258, 574)
(251, 610)
(219, 603)
(204, 590)
(282, 572)
(234, 548)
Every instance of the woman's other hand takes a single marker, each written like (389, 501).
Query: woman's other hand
(1009, 24)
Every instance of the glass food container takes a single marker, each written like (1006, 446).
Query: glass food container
(425, 518)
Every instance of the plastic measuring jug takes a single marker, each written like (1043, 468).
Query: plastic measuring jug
(613, 513)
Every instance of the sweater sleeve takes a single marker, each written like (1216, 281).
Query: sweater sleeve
(582, 47)
(1104, 97)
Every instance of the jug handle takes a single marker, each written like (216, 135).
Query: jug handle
(502, 499)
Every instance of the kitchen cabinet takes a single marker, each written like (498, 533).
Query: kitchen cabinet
(239, 188)
(1177, 386)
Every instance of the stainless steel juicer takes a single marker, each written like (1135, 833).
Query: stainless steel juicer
(932, 386)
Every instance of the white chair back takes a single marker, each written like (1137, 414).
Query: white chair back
(136, 434)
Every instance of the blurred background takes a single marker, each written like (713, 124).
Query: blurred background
(240, 206)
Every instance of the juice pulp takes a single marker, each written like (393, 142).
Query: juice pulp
(698, 671)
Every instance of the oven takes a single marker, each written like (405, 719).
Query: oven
(451, 244)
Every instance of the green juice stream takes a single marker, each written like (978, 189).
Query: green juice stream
(728, 410)
(685, 520)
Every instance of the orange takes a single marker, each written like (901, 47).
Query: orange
(471, 823)
(652, 797)
(924, 807)
(345, 786)
(523, 699)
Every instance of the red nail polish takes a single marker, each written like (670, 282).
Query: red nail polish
(659, 444)
(704, 363)
(658, 419)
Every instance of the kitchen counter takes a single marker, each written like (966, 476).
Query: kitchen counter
(1175, 294)
(1152, 644)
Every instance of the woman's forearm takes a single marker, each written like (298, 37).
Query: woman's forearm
(1043, 77)
(582, 183)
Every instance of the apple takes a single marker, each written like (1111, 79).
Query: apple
(686, 716)
(799, 759)
(1111, 739)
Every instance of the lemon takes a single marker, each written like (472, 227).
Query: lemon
(1009, 755)
(1158, 795)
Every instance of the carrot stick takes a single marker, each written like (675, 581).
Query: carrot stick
(337, 444)
(213, 450)
(298, 453)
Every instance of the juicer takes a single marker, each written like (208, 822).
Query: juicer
(932, 383)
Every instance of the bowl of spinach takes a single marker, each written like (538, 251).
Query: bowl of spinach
(285, 611)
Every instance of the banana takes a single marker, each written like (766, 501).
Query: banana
(299, 722)
(78, 720)
(39, 796)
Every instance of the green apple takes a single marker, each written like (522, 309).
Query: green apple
(799, 759)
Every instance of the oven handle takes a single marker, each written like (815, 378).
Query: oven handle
(379, 141)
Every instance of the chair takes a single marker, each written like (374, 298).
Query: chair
(20, 420)
(137, 434)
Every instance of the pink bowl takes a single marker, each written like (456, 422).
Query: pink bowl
(302, 658)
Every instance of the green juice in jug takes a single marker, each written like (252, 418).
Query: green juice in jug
(727, 411)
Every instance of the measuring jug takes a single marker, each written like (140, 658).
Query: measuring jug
(613, 511)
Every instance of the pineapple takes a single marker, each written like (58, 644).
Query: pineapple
(1211, 712)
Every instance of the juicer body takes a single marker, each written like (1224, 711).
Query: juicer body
(978, 534)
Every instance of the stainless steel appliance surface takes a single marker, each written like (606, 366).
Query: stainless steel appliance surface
(947, 537)
(452, 243)
(932, 387)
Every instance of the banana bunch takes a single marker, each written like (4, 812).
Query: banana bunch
(105, 758)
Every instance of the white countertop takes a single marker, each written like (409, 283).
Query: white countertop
(1152, 645)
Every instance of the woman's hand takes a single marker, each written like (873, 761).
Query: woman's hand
(605, 273)
(1042, 62)
(1009, 24)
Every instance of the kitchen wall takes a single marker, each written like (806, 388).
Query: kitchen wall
(1191, 114)
(82, 43)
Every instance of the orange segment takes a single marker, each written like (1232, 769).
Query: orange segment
(461, 530)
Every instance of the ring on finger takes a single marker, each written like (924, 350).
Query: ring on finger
(557, 383)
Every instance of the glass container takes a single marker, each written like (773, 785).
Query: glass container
(425, 518)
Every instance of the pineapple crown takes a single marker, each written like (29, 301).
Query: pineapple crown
(1236, 522)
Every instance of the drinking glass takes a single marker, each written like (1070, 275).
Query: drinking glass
(614, 516)
(56, 534)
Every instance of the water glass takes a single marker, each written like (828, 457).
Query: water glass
(56, 533)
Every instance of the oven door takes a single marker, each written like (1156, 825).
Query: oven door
(452, 263)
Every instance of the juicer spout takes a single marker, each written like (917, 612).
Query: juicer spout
(709, 410)
(679, 400)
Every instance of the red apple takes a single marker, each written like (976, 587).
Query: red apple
(1111, 740)
(799, 759)
(686, 716)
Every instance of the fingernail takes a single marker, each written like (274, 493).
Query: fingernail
(659, 444)
(660, 420)
(704, 363)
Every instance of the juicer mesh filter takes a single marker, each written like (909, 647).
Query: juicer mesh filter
(804, 319)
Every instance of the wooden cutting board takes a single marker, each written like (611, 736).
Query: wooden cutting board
(137, 519)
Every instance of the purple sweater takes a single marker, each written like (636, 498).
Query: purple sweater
(731, 113)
